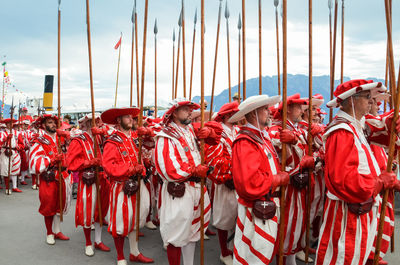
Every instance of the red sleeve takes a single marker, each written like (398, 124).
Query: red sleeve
(341, 169)
(251, 181)
(113, 163)
(217, 157)
(75, 156)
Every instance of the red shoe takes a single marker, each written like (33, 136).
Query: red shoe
(61, 236)
(24, 183)
(16, 190)
(140, 258)
(141, 234)
(382, 262)
(101, 247)
(28, 177)
(210, 233)
(156, 222)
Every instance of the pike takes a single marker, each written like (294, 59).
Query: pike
(96, 145)
(215, 59)
(137, 57)
(155, 68)
(244, 47)
(310, 137)
(19, 115)
(392, 133)
(9, 145)
(332, 83)
(227, 15)
(141, 114)
(183, 50)
(177, 56)
(202, 141)
(119, 59)
(239, 43)
(276, 3)
(259, 48)
(284, 117)
(60, 178)
(342, 45)
(132, 55)
(194, 42)
(173, 64)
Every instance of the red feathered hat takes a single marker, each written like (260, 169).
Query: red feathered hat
(228, 108)
(175, 104)
(7, 121)
(42, 118)
(110, 116)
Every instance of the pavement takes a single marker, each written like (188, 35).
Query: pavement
(23, 236)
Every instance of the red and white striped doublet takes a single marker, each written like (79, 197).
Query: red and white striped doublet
(16, 142)
(121, 153)
(254, 162)
(176, 155)
(295, 210)
(350, 175)
(224, 208)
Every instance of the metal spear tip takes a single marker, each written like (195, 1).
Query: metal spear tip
(240, 22)
(133, 15)
(180, 19)
(155, 27)
(195, 16)
(227, 13)
(276, 3)
(330, 4)
(173, 36)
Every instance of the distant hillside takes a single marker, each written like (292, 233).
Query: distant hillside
(295, 84)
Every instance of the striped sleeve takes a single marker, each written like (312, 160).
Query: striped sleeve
(171, 163)
(220, 161)
(38, 161)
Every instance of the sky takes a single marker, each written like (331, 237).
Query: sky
(28, 44)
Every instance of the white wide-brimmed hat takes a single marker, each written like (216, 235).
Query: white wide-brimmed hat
(89, 117)
(253, 103)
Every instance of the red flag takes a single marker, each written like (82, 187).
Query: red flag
(118, 43)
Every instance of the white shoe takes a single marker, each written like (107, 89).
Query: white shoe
(50, 240)
(228, 260)
(89, 251)
(206, 237)
(150, 225)
(302, 256)
(92, 227)
(34, 187)
(8, 192)
(122, 262)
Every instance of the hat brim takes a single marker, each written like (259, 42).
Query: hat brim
(253, 103)
(110, 116)
(168, 113)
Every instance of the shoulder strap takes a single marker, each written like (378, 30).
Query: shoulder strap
(252, 135)
(170, 131)
(115, 138)
(43, 140)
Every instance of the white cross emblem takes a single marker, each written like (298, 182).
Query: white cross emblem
(264, 204)
(301, 176)
(176, 184)
(131, 184)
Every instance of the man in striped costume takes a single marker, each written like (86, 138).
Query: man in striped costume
(353, 179)
(178, 162)
(257, 177)
(81, 158)
(43, 161)
(120, 162)
(224, 208)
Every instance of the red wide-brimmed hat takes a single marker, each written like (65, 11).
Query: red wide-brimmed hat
(110, 116)
(175, 104)
(226, 109)
(349, 88)
(44, 117)
(7, 121)
(293, 99)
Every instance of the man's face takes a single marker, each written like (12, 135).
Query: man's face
(313, 112)
(362, 103)
(26, 127)
(50, 125)
(374, 107)
(135, 123)
(295, 112)
(99, 122)
(126, 122)
(263, 114)
(183, 115)
(24, 112)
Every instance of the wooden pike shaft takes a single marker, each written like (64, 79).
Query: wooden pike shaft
(141, 116)
(333, 57)
(330, 61)
(137, 61)
(59, 113)
(202, 142)
(177, 63)
(229, 60)
(342, 45)
(259, 48)
(386, 75)
(132, 55)
(392, 133)
(284, 116)
(277, 51)
(116, 84)
(215, 60)
(191, 67)
(244, 46)
(310, 137)
(239, 73)
(173, 70)
(96, 146)
(155, 76)
(183, 50)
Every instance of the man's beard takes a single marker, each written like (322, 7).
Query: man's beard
(185, 121)
(126, 126)
(49, 129)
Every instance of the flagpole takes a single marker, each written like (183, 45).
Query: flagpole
(173, 65)
(244, 47)
(239, 56)
(215, 59)
(342, 45)
(202, 141)
(259, 48)
(132, 55)
(284, 116)
(276, 3)
(141, 116)
(60, 189)
(183, 50)
(96, 146)
(155, 68)
(333, 58)
(227, 15)
(119, 58)
(137, 58)
(177, 56)
(191, 67)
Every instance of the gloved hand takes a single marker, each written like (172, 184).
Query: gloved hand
(307, 162)
(137, 169)
(316, 129)
(99, 131)
(145, 131)
(385, 180)
(147, 162)
(57, 158)
(200, 171)
(205, 132)
(280, 179)
(287, 136)
(91, 163)
(65, 134)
